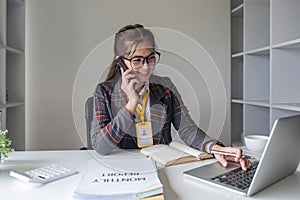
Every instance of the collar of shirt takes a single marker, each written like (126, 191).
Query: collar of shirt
(143, 90)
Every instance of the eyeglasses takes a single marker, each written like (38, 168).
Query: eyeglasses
(139, 61)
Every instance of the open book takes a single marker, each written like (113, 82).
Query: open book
(174, 153)
(124, 179)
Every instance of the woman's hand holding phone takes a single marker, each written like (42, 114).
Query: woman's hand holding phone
(129, 82)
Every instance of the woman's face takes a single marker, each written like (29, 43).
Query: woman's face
(144, 71)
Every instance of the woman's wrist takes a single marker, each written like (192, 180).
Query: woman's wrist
(130, 106)
(215, 145)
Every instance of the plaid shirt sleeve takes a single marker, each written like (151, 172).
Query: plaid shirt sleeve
(188, 131)
(107, 131)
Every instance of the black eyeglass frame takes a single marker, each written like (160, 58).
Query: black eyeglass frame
(144, 59)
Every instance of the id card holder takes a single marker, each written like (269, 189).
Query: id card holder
(144, 134)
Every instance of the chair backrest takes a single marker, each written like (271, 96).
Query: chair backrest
(88, 120)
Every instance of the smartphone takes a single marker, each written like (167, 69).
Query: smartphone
(121, 64)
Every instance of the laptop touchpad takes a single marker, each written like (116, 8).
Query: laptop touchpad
(212, 170)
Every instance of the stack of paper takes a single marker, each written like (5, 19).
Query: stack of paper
(119, 179)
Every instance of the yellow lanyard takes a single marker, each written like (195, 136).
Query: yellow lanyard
(141, 113)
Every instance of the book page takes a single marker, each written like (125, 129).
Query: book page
(164, 153)
(186, 149)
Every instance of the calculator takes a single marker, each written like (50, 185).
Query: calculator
(44, 174)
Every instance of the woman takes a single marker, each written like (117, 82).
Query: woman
(134, 108)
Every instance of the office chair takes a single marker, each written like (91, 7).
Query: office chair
(88, 120)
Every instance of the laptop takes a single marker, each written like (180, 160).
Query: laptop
(279, 159)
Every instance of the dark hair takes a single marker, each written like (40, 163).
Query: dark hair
(126, 41)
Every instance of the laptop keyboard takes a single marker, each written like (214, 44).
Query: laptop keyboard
(238, 178)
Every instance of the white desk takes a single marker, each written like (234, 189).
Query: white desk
(176, 186)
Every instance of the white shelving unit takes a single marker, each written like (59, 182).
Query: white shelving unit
(12, 70)
(265, 49)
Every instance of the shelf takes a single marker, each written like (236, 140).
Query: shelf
(287, 106)
(235, 3)
(263, 103)
(257, 1)
(237, 10)
(240, 101)
(265, 68)
(11, 50)
(260, 51)
(11, 104)
(12, 70)
(291, 44)
(14, 104)
(237, 55)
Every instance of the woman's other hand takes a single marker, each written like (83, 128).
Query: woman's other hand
(223, 159)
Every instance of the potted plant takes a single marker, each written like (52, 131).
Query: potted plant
(5, 144)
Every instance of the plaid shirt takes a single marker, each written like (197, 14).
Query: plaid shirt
(113, 125)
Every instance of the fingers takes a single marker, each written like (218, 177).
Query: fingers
(222, 160)
(125, 72)
(129, 82)
(133, 83)
(127, 76)
(122, 70)
(245, 163)
(237, 151)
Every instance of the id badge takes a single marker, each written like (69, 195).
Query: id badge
(144, 134)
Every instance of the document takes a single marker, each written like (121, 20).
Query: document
(119, 179)
(174, 153)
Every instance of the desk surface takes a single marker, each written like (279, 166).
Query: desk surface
(176, 186)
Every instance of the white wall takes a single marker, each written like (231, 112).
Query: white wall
(61, 33)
